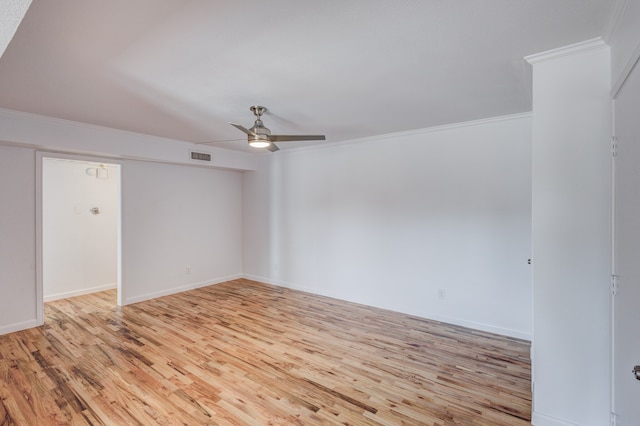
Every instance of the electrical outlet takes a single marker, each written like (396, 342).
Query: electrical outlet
(442, 294)
(187, 270)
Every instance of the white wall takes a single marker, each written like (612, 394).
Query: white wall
(571, 235)
(390, 221)
(79, 248)
(173, 217)
(17, 239)
(150, 267)
(181, 228)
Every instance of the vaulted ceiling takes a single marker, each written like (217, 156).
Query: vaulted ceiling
(182, 69)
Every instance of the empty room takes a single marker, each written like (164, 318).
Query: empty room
(337, 212)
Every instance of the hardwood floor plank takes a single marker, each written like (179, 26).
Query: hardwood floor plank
(246, 353)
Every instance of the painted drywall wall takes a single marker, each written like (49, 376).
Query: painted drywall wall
(17, 241)
(25, 133)
(571, 236)
(79, 247)
(173, 217)
(181, 228)
(434, 223)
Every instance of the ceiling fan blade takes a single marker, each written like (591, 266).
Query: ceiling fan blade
(220, 141)
(243, 129)
(273, 147)
(291, 138)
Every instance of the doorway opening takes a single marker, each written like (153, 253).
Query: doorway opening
(79, 235)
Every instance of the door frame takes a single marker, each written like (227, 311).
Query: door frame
(40, 156)
(633, 62)
(613, 283)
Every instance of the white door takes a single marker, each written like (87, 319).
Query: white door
(626, 302)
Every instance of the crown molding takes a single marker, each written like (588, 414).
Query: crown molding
(407, 133)
(572, 49)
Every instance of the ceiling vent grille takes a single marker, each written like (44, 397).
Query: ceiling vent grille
(200, 156)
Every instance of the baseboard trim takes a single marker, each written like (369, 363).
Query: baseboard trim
(454, 321)
(482, 327)
(19, 326)
(82, 292)
(538, 419)
(174, 290)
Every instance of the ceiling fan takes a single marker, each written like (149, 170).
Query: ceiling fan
(259, 136)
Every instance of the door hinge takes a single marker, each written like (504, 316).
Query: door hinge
(614, 285)
(614, 146)
(613, 419)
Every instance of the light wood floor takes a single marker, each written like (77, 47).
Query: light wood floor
(244, 353)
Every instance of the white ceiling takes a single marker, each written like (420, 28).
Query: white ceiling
(182, 69)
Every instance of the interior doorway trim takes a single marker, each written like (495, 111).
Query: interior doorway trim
(40, 156)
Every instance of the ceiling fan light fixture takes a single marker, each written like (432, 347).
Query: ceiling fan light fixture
(258, 136)
(259, 143)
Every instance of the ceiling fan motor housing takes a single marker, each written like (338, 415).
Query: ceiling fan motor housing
(259, 129)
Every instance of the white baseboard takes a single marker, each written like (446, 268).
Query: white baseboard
(18, 326)
(454, 321)
(538, 419)
(174, 290)
(482, 327)
(82, 292)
